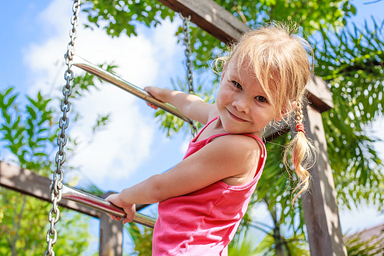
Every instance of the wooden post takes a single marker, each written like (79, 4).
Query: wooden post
(111, 234)
(319, 203)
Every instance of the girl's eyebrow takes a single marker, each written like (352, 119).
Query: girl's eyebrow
(235, 76)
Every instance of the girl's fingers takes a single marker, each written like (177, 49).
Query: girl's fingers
(151, 105)
(148, 103)
(126, 220)
(130, 211)
(114, 217)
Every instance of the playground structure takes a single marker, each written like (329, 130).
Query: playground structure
(320, 208)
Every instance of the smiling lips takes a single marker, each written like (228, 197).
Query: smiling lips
(235, 117)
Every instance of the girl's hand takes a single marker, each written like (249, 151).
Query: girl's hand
(156, 93)
(129, 209)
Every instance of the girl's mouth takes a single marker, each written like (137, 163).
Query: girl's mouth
(236, 118)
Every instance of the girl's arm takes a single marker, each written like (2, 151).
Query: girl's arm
(224, 157)
(190, 105)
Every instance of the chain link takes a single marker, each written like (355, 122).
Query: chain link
(188, 51)
(188, 62)
(62, 138)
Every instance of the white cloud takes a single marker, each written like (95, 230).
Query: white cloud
(120, 149)
(122, 146)
(184, 146)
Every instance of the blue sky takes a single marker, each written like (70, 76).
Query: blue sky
(35, 35)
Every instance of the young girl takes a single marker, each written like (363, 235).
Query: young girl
(204, 197)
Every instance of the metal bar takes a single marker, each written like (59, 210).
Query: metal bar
(125, 85)
(102, 205)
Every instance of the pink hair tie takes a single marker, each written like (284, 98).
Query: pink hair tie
(300, 128)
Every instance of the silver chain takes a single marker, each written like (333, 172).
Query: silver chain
(62, 138)
(187, 43)
(188, 62)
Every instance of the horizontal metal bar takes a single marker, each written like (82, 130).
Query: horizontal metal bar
(125, 85)
(102, 205)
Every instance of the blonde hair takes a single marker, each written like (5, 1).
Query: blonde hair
(280, 61)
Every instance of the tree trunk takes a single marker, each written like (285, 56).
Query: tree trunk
(279, 243)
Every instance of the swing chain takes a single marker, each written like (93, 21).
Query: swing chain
(62, 138)
(188, 51)
(187, 43)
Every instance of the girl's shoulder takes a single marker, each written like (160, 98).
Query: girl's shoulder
(243, 155)
(247, 147)
(241, 143)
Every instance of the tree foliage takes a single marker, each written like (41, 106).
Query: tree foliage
(26, 132)
(359, 245)
(29, 134)
(23, 225)
(142, 239)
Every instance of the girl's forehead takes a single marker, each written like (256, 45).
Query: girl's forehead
(243, 70)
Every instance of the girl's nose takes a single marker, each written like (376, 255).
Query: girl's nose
(241, 105)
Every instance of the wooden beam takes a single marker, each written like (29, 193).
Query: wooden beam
(275, 131)
(319, 203)
(211, 17)
(319, 94)
(30, 183)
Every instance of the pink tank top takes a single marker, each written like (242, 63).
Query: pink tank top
(205, 221)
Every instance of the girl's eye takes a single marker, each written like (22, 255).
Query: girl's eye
(261, 99)
(237, 85)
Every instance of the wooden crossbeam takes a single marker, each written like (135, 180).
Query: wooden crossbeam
(211, 17)
(30, 183)
(33, 184)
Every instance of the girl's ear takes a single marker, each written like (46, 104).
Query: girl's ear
(286, 111)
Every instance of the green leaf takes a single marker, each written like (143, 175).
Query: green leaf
(32, 112)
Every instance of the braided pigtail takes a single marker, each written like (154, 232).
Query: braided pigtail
(302, 153)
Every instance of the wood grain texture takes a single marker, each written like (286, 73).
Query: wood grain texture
(211, 17)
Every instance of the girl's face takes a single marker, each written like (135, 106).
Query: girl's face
(242, 104)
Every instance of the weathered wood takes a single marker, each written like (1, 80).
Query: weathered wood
(319, 94)
(30, 183)
(211, 17)
(275, 131)
(319, 203)
(111, 235)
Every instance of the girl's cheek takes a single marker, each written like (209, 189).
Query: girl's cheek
(228, 91)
